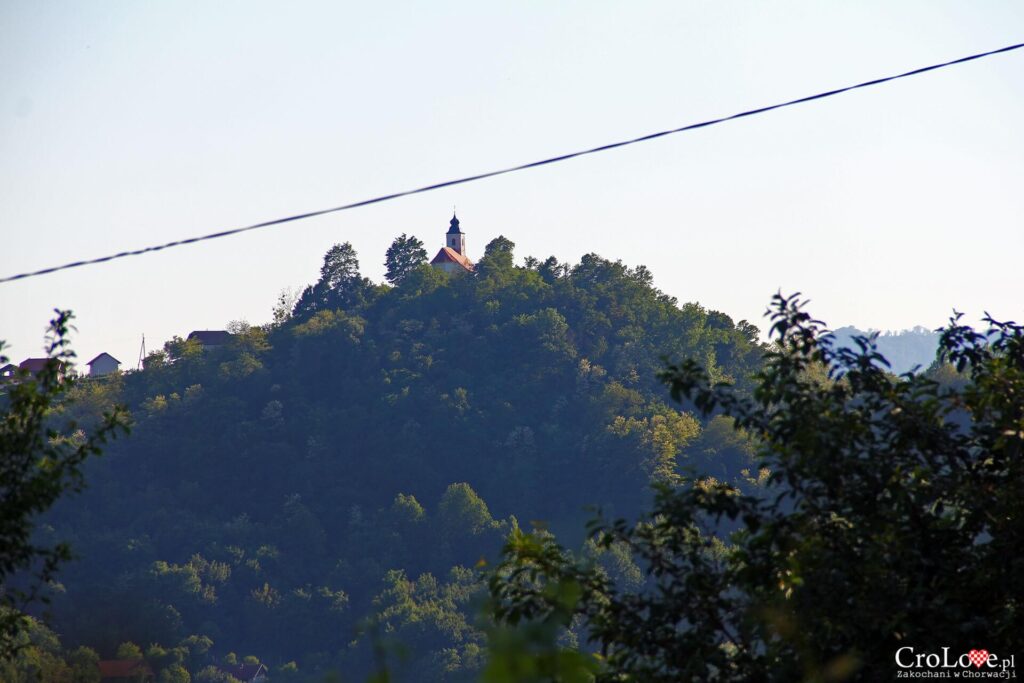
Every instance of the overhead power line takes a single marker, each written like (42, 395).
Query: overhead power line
(512, 169)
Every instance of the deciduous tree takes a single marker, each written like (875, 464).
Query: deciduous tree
(404, 256)
(891, 517)
(41, 459)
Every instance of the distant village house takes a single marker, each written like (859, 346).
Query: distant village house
(103, 364)
(33, 365)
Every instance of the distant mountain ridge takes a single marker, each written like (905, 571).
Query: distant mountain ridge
(905, 349)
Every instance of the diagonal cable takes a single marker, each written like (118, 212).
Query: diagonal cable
(512, 169)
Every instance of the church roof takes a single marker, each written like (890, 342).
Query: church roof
(449, 255)
(454, 226)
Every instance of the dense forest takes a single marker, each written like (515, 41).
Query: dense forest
(886, 518)
(322, 490)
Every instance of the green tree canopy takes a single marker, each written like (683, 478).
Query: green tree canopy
(890, 518)
(404, 256)
(340, 284)
(498, 256)
(84, 663)
(129, 650)
(40, 460)
(271, 483)
(462, 511)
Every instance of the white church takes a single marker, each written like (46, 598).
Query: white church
(452, 257)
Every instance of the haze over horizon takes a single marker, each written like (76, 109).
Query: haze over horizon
(127, 125)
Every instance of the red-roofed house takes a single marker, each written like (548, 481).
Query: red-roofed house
(247, 673)
(36, 365)
(125, 671)
(452, 257)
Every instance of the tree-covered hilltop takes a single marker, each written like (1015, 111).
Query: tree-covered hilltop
(362, 453)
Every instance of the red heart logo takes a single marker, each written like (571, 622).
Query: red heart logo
(978, 657)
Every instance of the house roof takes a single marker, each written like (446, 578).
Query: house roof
(449, 255)
(10, 367)
(124, 668)
(243, 672)
(211, 337)
(33, 365)
(101, 356)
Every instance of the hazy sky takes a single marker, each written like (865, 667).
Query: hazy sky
(129, 123)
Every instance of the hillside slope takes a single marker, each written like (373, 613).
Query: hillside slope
(363, 454)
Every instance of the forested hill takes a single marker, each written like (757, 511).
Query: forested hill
(363, 452)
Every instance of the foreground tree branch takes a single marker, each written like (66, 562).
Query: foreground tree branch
(891, 518)
(41, 459)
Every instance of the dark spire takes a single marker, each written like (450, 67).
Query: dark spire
(454, 225)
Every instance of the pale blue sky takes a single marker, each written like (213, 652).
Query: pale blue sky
(125, 124)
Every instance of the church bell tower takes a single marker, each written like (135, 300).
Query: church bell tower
(452, 257)
(456, 238)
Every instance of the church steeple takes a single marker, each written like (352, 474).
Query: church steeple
(452, 258)
(455, 238)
